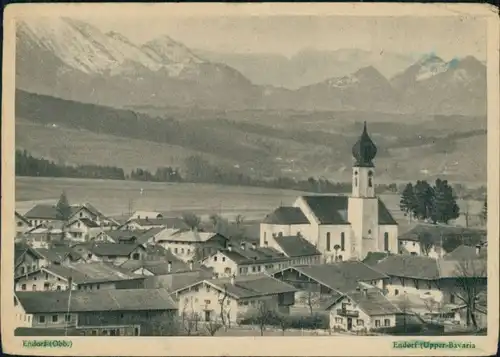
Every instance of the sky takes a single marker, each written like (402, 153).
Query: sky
(447, 37)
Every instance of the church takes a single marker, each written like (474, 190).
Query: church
(342, 227)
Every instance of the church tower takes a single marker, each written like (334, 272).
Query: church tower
(363, 204)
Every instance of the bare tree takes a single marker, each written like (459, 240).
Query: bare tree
(284, 322)
(426, 242)
(470, 282)
(263, 316)
(190, 319)
(311, 299)
(212, 327)
(225, 309)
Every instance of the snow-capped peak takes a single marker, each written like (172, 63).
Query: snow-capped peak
(166, 50)
(429, 66)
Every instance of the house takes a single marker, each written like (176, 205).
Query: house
(116, 253)
(125, 312)
(27, 259)
(427, 239)
(140, 236)
(297, 248)
(145, 215)
(22, 224)
(232, 298)
(174, 223)
(191, 244)
(317, 284)
(43, 235)
(245, 259)
(89, 276)
(419, 278)
(341, 227)
(83, 229)
(43, 213)
(363, 309)
(464, 252)
(89, 212)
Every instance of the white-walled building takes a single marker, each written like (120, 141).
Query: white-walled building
(341, 227)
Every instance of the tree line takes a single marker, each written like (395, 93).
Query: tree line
(197, 170)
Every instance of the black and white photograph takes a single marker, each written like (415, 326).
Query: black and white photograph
(312, 175)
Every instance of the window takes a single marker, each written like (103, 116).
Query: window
(22, 270)
(228, 302)
(46, 286)
(41, 319)
(342, 241)
(377, 323)
(328, 243)
(396, 292)
(386, 241)
(98, 286)
(223, 259)
(136, 256)
(54, 318)
(338, 320)
(370, 178)
(387, 322)
(136, 331)
(207, 302)
(67, 317)
(258, 268)
(208, 288)
(34, 287)
(452, 299)
(23, 287)
(355, 179)
(215, 258)
(189, 251)
(182, 250)
(81, 214)
(175, 250)
(360, 322)
(253, 269)
(413, 243)
(340, 257)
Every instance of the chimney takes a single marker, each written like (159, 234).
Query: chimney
(190, 265)
(242, 245)
(229, 247)
(169, 266)
(254, 246)
(232, 279)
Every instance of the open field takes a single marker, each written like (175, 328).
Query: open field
(113, 197)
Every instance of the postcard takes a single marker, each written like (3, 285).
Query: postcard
(250, 179)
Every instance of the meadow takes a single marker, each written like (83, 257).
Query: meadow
(116, 198)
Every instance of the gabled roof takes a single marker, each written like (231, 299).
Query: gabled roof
(411, 266)
(286, 216)
(328, 209)
(372, 258)
(187, 236)
(88, 222)
(465, 252)
(372, 302)
(159, 267)
(97, 272)
(97, 300)
(475, 268)
(296, 246)
(108, 249)
(44, 211)
(175, 282)
(341, 276)
(144, 214)
(168, 222)
(57, 254)
(250, 255)
(21, 217)
(249, 286)
(333, 209)
(124, 235)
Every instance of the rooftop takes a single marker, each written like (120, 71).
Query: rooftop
(97, 300)
(286, 216)
(296, 246)
(248, 286)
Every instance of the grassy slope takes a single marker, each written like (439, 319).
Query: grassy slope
(266, 142)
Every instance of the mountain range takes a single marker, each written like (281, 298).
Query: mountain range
(70, 59)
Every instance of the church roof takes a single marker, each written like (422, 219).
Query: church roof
(364, 150)
(286, 216)
(296, 246)
(332, 209)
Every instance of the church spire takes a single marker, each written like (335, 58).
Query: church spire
(364, 151)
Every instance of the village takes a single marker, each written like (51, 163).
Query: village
(325, 265)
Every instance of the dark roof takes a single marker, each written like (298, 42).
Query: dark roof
(125, 234)
(57, 254)
(341, 276)
(21, 217)
(411, 266)
(372, 258)
(373, 303)
(286, 216)
(328, 209)
(465, 252)
(158, 267)
(439, 231)
(47, 212)
(168, 222)
(474, 268)
(92, 272)
(150, 233)
(177, 281)
(364, 150)
(42, 331)
(96, 300)
(89, 223)
(250, 255)
(118, 249)
(296, 246)
(247, 286)
(333, 209)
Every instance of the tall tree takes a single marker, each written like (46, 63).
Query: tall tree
(407, 203)
(424, 196)
(63, 212)
(426, 242)
(192, 220)
(444, 204)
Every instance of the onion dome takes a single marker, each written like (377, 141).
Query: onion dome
(364, 151)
